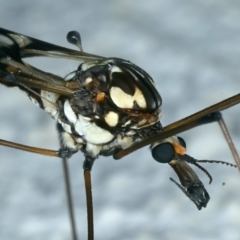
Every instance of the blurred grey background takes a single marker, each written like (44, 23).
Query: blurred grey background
(192, 51)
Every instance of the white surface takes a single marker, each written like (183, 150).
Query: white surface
(192, 51)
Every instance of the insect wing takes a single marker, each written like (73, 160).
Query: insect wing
(15, 72)
(31, 47)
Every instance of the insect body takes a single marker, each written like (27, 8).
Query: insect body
(108, 106)
(108, 111)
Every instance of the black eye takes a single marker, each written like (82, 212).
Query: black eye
(182, 142)
(163, 152)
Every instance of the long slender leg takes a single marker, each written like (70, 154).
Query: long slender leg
(87, 166)
(68, 189)
(229, 141)
(42, 151)
(69, 198)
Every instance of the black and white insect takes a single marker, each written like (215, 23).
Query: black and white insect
(108, 107)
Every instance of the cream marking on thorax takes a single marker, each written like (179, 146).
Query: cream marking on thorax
(111, 119)
(91, 132)
(124, 100)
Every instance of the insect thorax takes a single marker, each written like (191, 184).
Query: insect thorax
(116, 106)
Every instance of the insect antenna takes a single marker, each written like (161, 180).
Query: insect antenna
(217, 161)
(195, 162)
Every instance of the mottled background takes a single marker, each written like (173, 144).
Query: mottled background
(192, 51)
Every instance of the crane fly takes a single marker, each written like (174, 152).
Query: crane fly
(108, 107)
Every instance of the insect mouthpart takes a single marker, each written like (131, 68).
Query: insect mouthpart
(172, 150)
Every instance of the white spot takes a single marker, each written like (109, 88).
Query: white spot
(69, 113)
(124, 100)
(91, 132)
(111, 119)
(88, 80)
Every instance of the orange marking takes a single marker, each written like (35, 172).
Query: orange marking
(100, 97)
(179, 149)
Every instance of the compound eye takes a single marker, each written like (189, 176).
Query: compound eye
(182, 142)
(163, 152)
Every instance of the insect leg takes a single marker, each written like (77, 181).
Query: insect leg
(42, 151)
(68, 188)
(87, 166)
(229, 140)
